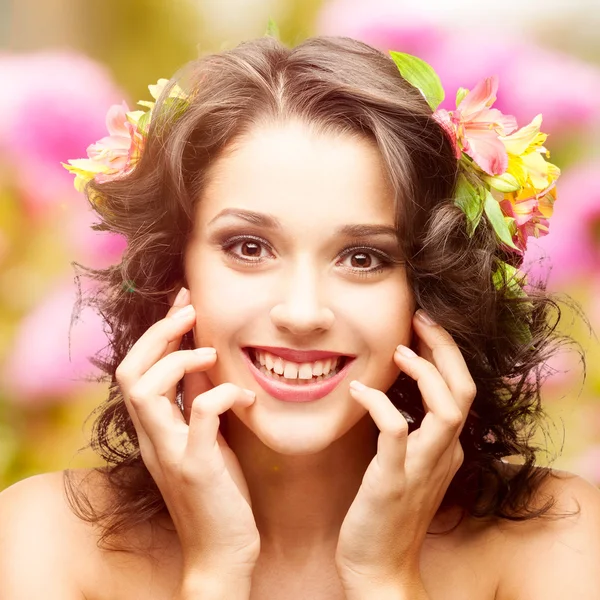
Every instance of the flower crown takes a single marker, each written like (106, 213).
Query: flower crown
(503, 171)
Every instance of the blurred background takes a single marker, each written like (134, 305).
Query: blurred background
(64, 62)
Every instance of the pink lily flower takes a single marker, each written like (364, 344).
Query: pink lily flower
(529, 218)
(114, 149)
(478, 126)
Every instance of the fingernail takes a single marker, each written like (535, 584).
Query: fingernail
(405, 351)
(205, 351)
(186, 311)
(182, 297)
(425, 317)
(249, 393)
(357, 385)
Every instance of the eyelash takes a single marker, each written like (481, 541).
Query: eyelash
(385, 260)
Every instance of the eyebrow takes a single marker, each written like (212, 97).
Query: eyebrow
(270, 222)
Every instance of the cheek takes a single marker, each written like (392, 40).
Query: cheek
(381, 312)
(381, 317)
(225, 301)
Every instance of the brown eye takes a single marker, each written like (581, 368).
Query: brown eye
(361, 260)
(247, 250)
(251, 249)
(364, 261)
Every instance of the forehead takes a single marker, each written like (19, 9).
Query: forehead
(295, 172)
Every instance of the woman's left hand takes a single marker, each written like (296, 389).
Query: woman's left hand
(383, 532)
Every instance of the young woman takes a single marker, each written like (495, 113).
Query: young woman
(319, 355)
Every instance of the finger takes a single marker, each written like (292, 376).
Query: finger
(393, 427)
(194, 384)
(152, 345)
(182, 299)
(444, 419)
(160, 418)
(438, 346)
(204, 416)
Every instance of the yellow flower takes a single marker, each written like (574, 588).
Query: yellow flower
(157, 89)
(526, 157)
(85, 169)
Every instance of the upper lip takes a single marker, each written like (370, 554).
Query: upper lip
(299, 356)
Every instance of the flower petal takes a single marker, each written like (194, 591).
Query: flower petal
(115, 119)
(112, 143)
(157, 89)
(539, 171)
(486, 149)
(518, 142)
(444, 118)
(492, 118)
(483, 95)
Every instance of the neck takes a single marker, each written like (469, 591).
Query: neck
(300, 501)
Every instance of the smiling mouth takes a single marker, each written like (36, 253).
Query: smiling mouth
(276, 368)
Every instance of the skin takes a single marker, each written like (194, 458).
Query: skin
(329, 499)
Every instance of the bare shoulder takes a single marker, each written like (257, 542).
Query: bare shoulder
(40, 534)
(554, 556)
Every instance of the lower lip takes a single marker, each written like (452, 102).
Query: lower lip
(296, 393)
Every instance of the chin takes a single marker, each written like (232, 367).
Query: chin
(298, 445)
(296, 429)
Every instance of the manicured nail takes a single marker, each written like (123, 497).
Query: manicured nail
(358, 386)
(249, 393)
(182, 297)
(405, 351)
(425, 317)
(208, 351)
(186, 311)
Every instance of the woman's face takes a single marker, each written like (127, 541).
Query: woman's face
(294, 253)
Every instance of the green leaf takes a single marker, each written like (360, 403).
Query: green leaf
(504, 183)
(175, 107)
(468, 199)
(272, 29)
(144, 122)
(420, 75)
(460, 95)
(510, 277)
(494, 213)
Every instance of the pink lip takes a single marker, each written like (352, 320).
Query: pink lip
(296, 393)
(299, 356)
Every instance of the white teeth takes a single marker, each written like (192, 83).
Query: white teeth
(317, 368)
(305, 371)
(268, 362)
(290, 371)
(278, 365)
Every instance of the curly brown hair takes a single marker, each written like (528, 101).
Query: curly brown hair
(341, 85)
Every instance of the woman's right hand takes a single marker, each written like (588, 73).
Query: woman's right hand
(195, 470)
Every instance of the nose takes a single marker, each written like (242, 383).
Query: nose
(301, 310)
